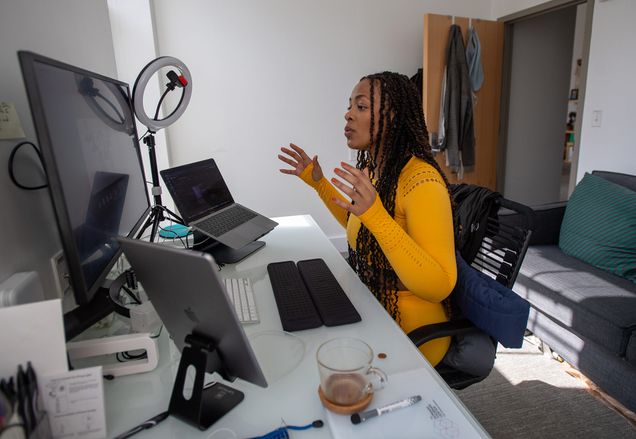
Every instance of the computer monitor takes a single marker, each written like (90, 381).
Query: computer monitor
(86, 131)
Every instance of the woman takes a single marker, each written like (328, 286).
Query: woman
(398, 216)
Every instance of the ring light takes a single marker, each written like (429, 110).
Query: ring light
(140, 87)
(181, 80)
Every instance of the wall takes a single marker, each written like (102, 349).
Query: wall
(134, 44)
(269, 73)
(501, 8)
(73, 31)
(612, 146)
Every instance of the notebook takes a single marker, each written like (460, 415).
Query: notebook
(205, 203)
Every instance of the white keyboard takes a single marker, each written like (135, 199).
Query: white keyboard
(240, 292)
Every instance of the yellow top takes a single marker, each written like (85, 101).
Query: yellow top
(418, 243)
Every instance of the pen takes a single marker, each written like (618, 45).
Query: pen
(356, 418)
(144, 425)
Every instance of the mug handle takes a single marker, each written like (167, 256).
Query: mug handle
(376, 379)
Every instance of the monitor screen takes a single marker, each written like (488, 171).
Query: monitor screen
(86, 131)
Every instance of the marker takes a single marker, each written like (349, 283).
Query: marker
(148, 424)
(356, 418)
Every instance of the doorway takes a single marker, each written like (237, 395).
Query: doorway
(542, 98)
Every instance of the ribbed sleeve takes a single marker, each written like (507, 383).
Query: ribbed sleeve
(326, 191)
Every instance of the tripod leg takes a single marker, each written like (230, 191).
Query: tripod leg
(176, 218)
(155, 224)
(146, 225)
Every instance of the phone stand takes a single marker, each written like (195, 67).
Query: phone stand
(199, 406)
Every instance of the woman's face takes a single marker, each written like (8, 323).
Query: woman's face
(358, 116)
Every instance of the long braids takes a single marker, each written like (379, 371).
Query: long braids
(402, 133)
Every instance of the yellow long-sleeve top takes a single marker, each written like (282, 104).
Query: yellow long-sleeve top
(418, 243)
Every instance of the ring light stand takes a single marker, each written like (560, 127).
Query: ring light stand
(182, 80)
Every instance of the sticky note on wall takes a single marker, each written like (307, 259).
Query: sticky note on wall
(10, 126)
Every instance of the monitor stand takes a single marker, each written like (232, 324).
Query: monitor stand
(101, 305)
(199, 405)
(222, 253)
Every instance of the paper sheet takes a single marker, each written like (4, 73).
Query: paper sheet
(74, 402)
(436, 416)
(10, 126)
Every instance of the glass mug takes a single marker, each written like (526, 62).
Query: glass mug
(346, 374)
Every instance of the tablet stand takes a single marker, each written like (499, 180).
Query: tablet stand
(202, 407)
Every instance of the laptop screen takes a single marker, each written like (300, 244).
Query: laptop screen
(197, 189)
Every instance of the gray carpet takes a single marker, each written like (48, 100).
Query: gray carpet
(529, 395)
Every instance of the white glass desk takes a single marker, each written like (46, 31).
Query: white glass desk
(292, 397)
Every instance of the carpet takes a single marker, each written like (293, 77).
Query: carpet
(530, 395)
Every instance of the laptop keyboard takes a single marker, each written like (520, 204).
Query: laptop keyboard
(308, 295)
(225, 221)
(240, 292)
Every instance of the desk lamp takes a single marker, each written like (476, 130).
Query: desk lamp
(181, 80)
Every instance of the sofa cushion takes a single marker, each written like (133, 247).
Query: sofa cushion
(599, 226)
(591, 302)
(631, 350)
(626, 180)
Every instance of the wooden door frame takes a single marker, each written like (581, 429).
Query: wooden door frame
(508, 21)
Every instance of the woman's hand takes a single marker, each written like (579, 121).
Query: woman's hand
(298, 159)
(361, 191)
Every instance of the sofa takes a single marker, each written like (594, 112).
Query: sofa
(585, 314)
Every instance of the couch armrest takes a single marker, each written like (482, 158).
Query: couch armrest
(548, 218)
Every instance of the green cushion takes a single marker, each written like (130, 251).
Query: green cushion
(599, 226)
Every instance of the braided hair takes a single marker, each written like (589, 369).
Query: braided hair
(401, 134)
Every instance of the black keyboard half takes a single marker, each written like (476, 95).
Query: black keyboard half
(308, 295)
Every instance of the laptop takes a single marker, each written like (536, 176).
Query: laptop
(205, 204)
(186, 290)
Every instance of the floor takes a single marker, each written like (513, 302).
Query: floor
(531, 395)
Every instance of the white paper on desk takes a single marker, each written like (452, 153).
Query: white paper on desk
(74, 402)
(33, 332)
(436, 416)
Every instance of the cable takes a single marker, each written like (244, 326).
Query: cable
(282, 433)
(12, 175)
(168, 90)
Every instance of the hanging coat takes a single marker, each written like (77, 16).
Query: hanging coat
(473, 58)
(457, 117)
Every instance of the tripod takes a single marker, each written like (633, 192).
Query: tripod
(159, 212)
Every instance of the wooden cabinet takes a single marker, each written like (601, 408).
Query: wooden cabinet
(487, 104)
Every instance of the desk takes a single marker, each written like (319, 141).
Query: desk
(293, 397)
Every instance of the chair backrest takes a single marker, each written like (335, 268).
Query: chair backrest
(504, 243)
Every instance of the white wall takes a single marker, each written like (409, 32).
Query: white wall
(266, 73)
(610, 89)
(73, 31)
(501, 8)
(134, 44)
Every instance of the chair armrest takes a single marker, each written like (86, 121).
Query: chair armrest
(425, 333)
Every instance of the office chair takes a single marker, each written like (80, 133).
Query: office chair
(499, 255)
